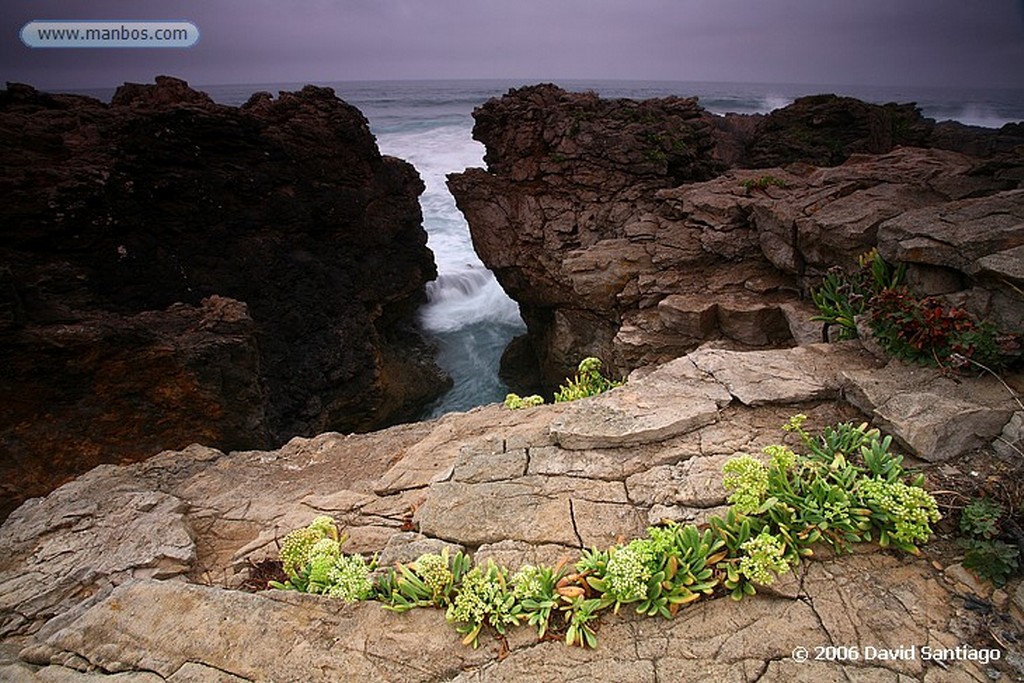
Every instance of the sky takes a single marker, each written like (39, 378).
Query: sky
(845, 42)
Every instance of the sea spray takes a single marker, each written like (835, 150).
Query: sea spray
(467, 314)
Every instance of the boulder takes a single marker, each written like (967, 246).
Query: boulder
(935, 416)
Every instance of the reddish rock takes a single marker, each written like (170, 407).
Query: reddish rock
(619, 230)
(122, 226)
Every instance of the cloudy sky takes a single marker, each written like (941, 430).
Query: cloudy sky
(851, 42)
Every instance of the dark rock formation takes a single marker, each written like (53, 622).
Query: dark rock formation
(825, 130)
(619, 231)
(123, 225)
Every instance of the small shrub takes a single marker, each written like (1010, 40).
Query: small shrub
(989, 558)
(922, 330)
(930, 332)
(762, 183)
(588, 382)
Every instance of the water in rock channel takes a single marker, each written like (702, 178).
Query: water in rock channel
(429, 124)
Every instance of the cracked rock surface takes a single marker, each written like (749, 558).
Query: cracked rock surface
(128, 573)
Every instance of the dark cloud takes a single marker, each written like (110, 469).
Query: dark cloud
(877, 42)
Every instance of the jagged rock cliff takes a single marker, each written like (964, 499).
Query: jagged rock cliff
(622, 233)
(173, 270)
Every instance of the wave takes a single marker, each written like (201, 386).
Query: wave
(467, 297)
(970, 114)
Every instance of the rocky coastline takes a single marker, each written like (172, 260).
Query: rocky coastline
(678, 247)
(636, 231)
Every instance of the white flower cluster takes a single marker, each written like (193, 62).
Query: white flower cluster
(527, 582)
(349, 579)
(911, 509)
(765, 557)
(629, 569)
(748, 480)
(481, 595)
(434, 571)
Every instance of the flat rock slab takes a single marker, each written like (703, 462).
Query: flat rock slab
(796, 375)
(533, 509)
(936, 417)
(163, 627)
(78, 579)
(864, 600)
(957, 234)
(675, 399)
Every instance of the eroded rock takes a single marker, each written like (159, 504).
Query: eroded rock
(174, 271)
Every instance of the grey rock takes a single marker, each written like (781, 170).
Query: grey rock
(936, 417)
(407, 546)
(1010, 442)
(532, 509)
(83, 538)
(804, 373)
(665, 406)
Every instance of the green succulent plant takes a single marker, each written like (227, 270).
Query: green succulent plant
(484, 597)
(311, 557)
(430, 581)
(536, 589)
(588, 382)
(517, 402)
(845, 486)
(580, 613)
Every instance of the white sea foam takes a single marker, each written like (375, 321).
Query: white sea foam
(974, 114)
(468, 314)
(773, 102)
(465, 292)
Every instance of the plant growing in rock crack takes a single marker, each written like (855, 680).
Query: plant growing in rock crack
(762, 183)
(685, 560)
(989, 558)
(930, 332)
(909, 327)
(754, 556)
(588, 381)
(540, 591)
(626, 573)
(842, 297)
(780, 510)
(517, 402)
(484, 596)
(580, 614)
(430, 581)
(312, 559)
(847, 487)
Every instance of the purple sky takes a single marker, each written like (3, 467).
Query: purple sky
(869, 42)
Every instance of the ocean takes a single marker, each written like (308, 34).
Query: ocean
(429, 123)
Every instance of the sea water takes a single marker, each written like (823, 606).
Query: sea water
(429, 123)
